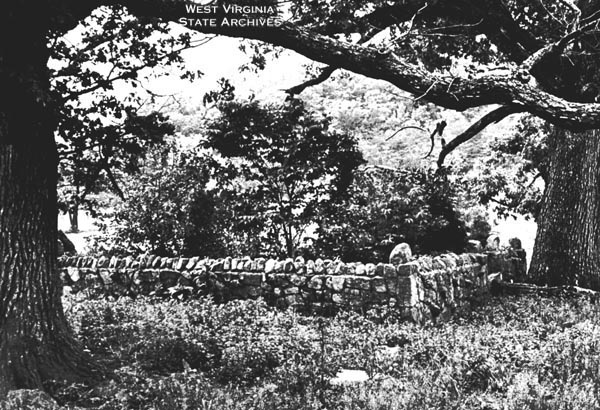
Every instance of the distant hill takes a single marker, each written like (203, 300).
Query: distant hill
(374, 110)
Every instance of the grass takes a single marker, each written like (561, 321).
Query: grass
(512, 353)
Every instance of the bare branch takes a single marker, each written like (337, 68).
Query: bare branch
(405, 128)
(493, 116)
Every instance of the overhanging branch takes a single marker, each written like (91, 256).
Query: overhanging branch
(491, 117)
(458, 93)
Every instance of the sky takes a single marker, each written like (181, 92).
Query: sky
(222, 58)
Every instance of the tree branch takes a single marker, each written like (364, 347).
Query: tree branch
(458, 93)
(406, 127)
(323, 76)
(493, 116)
(555, 49)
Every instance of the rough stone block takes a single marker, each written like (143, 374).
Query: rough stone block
(340, 269)
(192, 263)
(335, 283)
(270, 266)
(392, 285)
(389, 270)
(360, 269)
(310, 267)
(169, 277)
(260, 264)
(251, 278)
(319, 266)
(351, 292)
(298, 280)
(316, 282)
(438, 263)
(293, 300)
(449, 261)
(181, 263)
(114, 262)
(280, 279)
(291, 291)
(351, 269)
(357, 282)
(279, 267)
(288, 266)
(378, 285)
(254, 292)
(426, 263)
(408, 269)
(371, 269)
(217, 266)
(481, 258)
(337, 299)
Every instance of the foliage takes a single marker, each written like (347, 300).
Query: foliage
(260, 177)
(106, 119)
(386, 207)
(514, 174)
(168, 209)
(512, 353)
(281, 166)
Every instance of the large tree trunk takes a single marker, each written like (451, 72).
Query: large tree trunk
(567, 247)
(35, 341)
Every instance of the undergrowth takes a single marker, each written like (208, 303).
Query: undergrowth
(512, 353)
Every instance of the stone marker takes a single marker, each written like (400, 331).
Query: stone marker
(401, 254)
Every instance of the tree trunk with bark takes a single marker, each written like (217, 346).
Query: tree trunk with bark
(36, 343)
(567, 246)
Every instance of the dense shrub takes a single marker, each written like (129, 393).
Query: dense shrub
(387, 207)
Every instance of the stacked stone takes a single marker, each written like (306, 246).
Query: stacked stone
(138, 276)
(510, 262)
(448, 281)
(312, 285)
(422, 287)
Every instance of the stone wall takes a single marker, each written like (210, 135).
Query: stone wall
(422, 288)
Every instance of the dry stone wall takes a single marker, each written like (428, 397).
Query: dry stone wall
(419, 289)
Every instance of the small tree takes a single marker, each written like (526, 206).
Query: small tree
(167, 209)
(282, 168)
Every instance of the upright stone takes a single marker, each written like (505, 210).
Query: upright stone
(401, 254)
(319, 266)
(260, 264)
(492, 243)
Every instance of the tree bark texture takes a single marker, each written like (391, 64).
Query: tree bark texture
(35, 341)
(567, 246)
